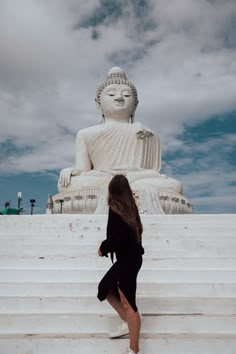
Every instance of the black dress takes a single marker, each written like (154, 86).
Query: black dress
(122, 241)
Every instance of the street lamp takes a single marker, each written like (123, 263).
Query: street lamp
(19, 197)
(32, 203)
(7, 204)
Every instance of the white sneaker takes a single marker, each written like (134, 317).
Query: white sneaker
(131, 352)
(122, 330)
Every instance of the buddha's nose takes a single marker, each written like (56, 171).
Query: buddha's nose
(119, 99)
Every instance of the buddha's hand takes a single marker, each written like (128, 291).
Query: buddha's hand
(65, 176)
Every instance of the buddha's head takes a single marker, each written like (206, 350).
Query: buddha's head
(117, 97)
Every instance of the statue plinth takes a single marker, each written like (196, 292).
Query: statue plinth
(84, 203)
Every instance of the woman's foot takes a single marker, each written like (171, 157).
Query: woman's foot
(121, 331)
(130, 351)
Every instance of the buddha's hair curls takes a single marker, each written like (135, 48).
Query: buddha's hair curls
(122, 202)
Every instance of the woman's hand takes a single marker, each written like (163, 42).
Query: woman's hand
(99, 253)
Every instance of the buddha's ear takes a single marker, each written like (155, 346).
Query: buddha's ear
(132, 115)
(99, 109)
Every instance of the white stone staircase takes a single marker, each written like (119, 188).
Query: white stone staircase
(49, 271)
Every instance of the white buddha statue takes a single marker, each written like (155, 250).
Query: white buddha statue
(118, 145)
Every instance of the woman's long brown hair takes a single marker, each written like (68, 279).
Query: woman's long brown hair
(121, 201)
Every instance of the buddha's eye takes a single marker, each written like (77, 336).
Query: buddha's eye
(127, 95)
(111, 94)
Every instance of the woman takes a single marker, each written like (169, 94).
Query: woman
(124, 232)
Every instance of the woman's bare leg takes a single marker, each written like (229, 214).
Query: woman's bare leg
(134, 323)
(117, 305)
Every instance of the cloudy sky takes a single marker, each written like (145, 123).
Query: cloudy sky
(181, 55)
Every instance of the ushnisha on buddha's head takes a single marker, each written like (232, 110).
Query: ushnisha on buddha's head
(117, 97)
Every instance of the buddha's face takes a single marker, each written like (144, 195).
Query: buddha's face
(117, 101)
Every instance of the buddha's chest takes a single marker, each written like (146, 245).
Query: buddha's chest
(122, 148)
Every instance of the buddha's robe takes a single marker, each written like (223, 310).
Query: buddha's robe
(120, 147)
(108, 149)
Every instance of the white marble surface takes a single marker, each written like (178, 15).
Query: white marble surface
(118, 145)
(49, 271)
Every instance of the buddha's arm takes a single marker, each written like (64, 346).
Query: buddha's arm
(82, 160)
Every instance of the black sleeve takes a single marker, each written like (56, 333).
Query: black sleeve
(117, 231)
(106, 245)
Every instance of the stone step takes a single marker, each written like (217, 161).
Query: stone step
(98, 218)
(78, 230)
(164, 246)
(101, 324)
(56, 225)
(163, 344)
(82, 261)
(160, 227)
(88, 239)
(91, 305)
(95, 275)
(76, 289)
(49, 272)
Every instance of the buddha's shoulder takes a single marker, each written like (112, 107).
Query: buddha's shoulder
(89, 131)
(93, 130)
(140, 126)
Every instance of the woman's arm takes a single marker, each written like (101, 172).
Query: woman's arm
(106, 245)
(117, 234)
